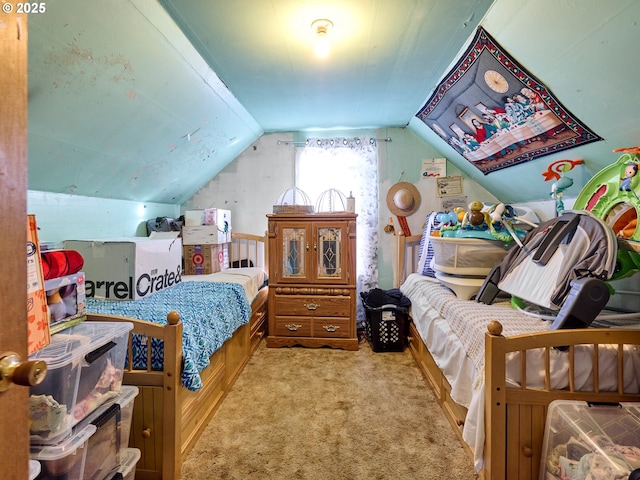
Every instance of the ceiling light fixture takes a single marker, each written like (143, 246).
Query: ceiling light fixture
(321, 29)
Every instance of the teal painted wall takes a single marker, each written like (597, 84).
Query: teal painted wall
(65, 217)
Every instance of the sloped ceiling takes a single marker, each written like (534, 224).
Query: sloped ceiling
(149, 99)
(120, 105)
(586, 53)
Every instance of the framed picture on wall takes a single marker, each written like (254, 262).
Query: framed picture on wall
(449, 186)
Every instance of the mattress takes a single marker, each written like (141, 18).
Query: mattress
(251, 279)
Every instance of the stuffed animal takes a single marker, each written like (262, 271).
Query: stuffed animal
(476, 216)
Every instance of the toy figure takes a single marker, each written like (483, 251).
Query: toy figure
(496, 212)
(475, 216)
(630, 171)
(557, 192)
(57, 308)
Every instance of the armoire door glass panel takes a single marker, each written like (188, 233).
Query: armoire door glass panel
(293, 249)
(329, 253)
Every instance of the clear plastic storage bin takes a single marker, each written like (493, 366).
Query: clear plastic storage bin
(66, 460)
(584, 440)
(85, 364)
(127, 468)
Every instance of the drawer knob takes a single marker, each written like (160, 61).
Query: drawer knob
(331, 328)
(311, 306)
(292, 327)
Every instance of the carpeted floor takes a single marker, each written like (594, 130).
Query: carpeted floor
(299, 413)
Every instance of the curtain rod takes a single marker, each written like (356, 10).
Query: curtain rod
(284, 142)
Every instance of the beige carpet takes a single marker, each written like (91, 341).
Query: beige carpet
(298, 413)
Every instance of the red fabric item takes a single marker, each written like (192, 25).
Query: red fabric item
(404, 225)
(59, 263)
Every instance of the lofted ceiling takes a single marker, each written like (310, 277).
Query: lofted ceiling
(381, 66)
(149, 99)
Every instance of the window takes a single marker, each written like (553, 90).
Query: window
(347, 165)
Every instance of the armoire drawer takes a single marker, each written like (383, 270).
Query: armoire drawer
(292, 327)
(332, 327)
(316, 306)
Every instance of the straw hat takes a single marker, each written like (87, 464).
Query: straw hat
(403, 199)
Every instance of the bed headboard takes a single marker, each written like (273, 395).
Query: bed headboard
(246, 247)
(406, 257)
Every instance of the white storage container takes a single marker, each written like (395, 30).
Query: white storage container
(34, 469)
(85, 365)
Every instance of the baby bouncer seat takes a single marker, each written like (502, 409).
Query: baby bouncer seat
(561, 265)
(564, 263)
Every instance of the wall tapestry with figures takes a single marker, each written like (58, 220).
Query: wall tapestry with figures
(496, 114)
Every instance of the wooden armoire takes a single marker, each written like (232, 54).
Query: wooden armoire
(312, 280)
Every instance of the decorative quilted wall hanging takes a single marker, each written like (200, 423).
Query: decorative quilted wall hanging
(496, 114)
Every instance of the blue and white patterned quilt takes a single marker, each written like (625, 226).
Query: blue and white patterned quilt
(210, 313)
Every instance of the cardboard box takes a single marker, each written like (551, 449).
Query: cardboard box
(193, 218)
(205, 235)
(214, 227)
(39, 334)
(205, 259)
(129, 268)
(221, 218)
(66, 298)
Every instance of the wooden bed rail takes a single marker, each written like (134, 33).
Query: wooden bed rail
(248, 246)
(508, 405)
(406, 257)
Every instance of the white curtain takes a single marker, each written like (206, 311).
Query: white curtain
(347, 165)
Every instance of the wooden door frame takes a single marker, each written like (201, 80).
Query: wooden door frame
(14, 414)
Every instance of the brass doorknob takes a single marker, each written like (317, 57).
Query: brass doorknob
(14, 371)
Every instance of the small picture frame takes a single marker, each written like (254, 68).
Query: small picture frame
(448, 186)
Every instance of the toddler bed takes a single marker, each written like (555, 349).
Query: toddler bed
(202, 332)
(495, 370)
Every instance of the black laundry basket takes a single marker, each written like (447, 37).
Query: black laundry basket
(386, 327)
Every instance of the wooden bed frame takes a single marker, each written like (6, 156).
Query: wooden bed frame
(514, 417)
(167, 418)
